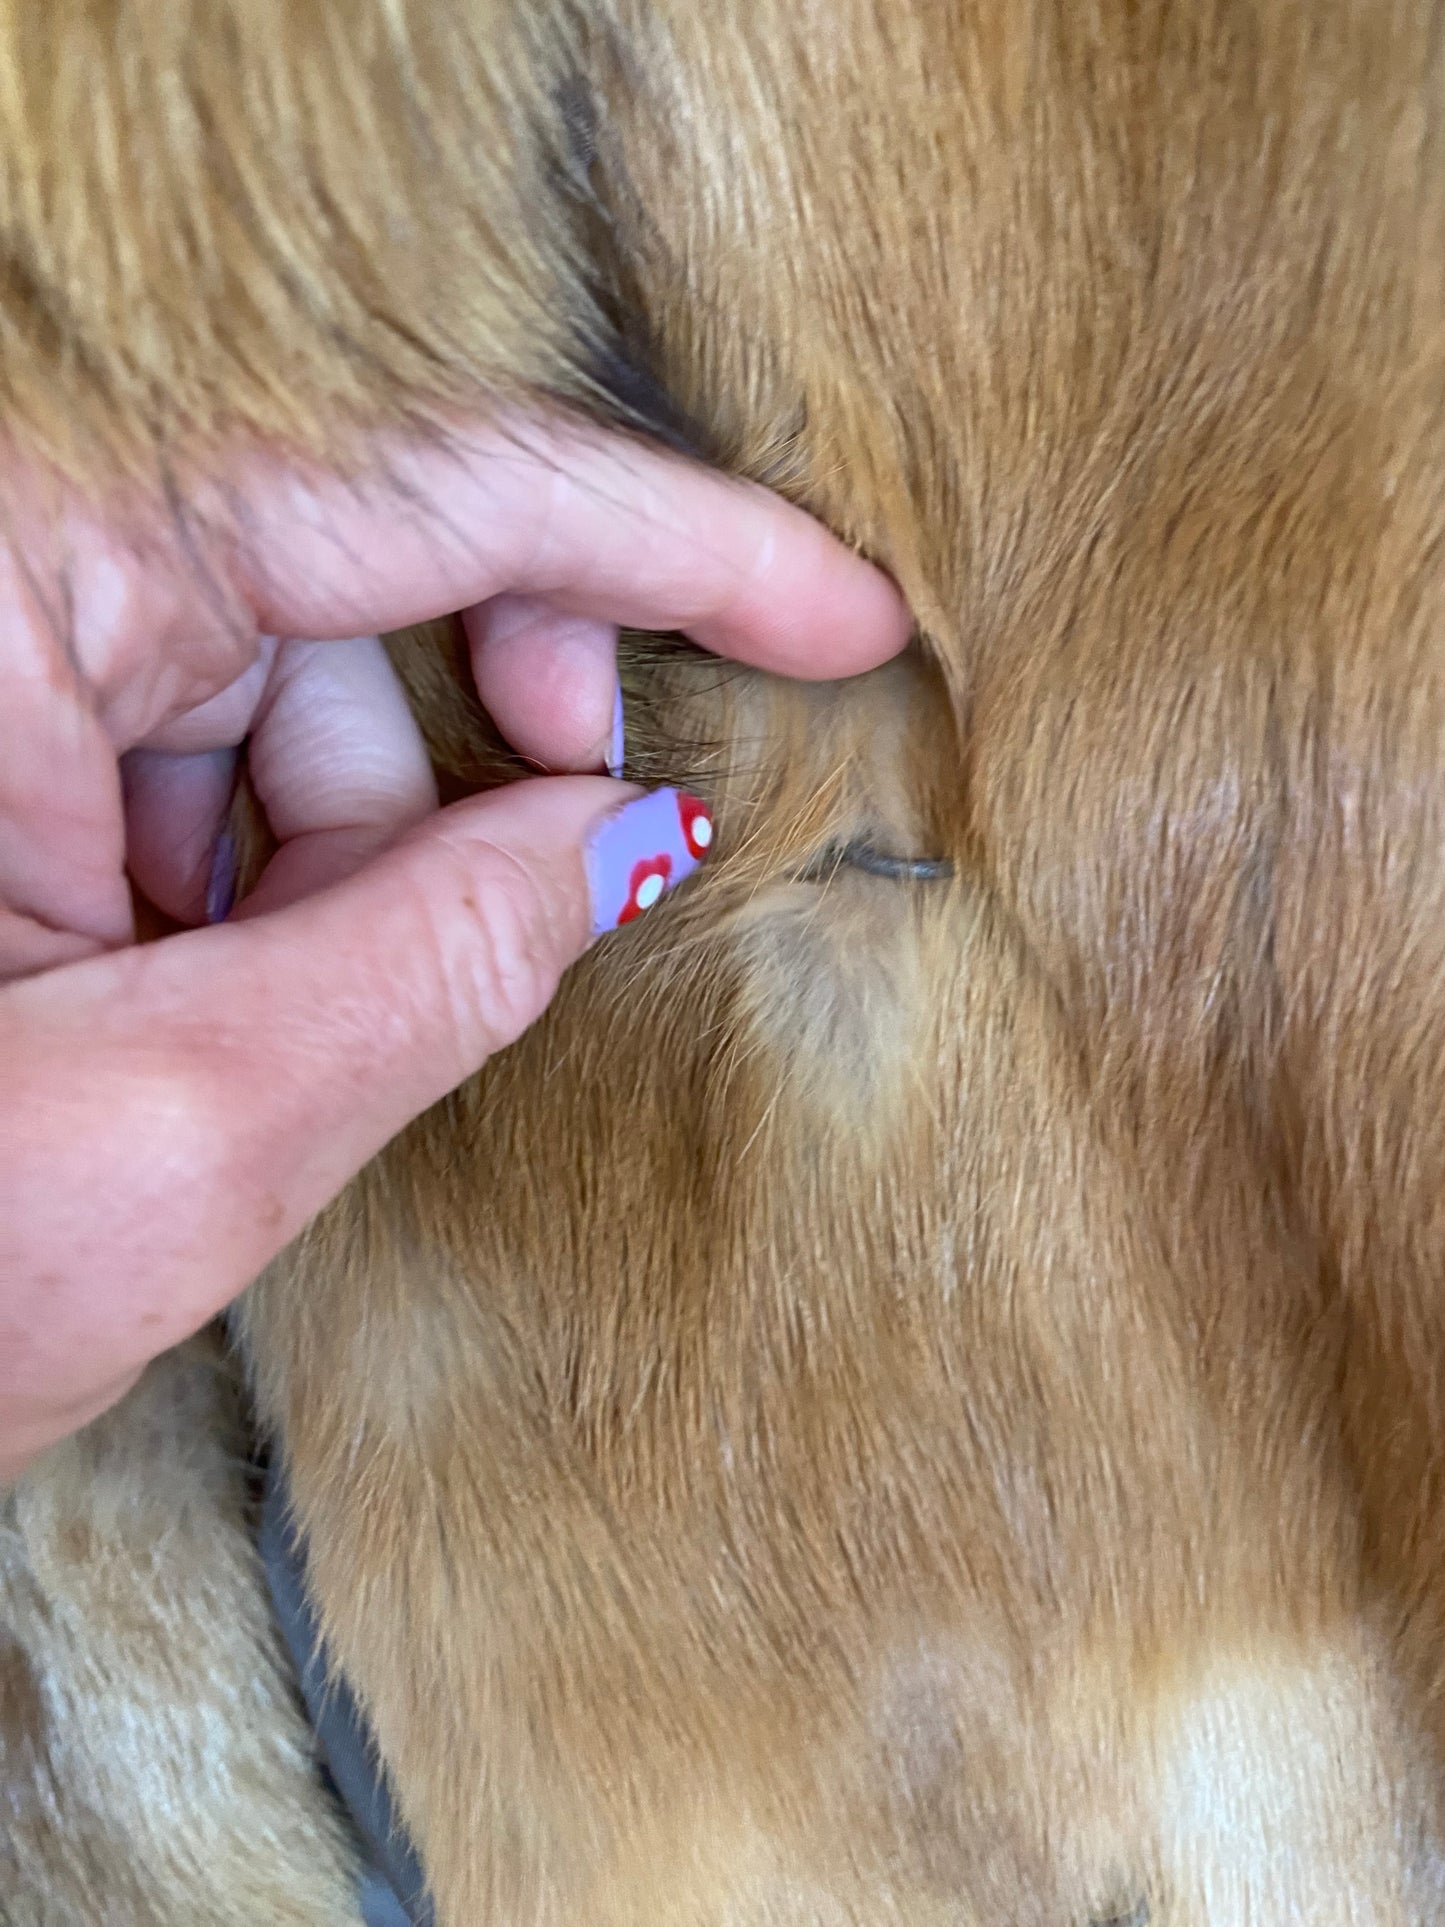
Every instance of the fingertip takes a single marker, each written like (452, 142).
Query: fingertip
(174, 809)
(808, 607)
(548, 679)
(663, 542)
(339, 764)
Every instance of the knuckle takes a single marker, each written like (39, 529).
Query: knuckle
(500, 959)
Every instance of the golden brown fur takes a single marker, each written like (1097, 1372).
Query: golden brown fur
(894, 1403)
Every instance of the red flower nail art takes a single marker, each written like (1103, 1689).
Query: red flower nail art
(642, 850)
(696, 821)
(645, 885)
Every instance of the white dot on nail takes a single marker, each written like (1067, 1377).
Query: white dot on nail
(702, 831)
(648, 891)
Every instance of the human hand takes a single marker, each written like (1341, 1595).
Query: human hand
(172, 1114)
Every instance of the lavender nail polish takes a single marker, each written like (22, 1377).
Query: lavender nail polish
(647, 848)
(221, 884)
(617, 747)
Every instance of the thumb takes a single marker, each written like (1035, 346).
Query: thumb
(173, 1115)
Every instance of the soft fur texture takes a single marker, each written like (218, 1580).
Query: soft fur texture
(896, 1402)
(156, 1767)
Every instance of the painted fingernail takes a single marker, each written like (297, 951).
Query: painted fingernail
(647, 848)
(617, 746)
(221, 884)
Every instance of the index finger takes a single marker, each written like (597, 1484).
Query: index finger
(598, 523)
